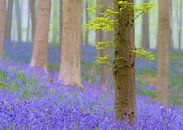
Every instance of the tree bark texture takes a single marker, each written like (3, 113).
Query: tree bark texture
(8, 26)
(124, 64)
(2, 27)
(105, 76)
(70, 70)
(163, 51)
(32, 11)
(145, 30)
(40, 46)
(19, 20)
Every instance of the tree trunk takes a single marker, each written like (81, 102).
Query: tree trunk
(87, 18)
(163, 51)
(60, 17)
(171, 46)
(54, 24)
(28, 25)
(9, 20)
(2, 27)
(19, 20)
(179, 20)
(124, 64)
(40, 46)
(32, 11)
(105, 36)
(145, 30)
(180, 24)
(70, 53)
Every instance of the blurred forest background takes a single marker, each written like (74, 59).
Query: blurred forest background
(21, 18)
(51, 37)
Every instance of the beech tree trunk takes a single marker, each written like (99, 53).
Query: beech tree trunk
(145, 30)
(2, 27)
(171, 43)
(70, 51)
(163, 51)
(40, 46)
(32, 11)
(9, 20)
(105, 36)
(28, 25)
(124, 64)
(19, 20)
(87, 18)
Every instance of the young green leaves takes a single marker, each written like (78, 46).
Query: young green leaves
(105, 21)
(141, 53)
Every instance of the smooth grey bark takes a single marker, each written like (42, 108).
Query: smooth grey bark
(163, 50)
(145, 29)
(70, 71)
(40, 45)
(2, 27)
(8, 26)
(32, 10)
(19, 20)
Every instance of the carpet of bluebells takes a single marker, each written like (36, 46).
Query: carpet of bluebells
(31, 99)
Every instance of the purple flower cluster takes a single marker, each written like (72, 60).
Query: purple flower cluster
(33, 99)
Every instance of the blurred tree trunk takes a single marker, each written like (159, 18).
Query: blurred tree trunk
(60, 18)
(19, 20)
(28, 25)
(55, 22)
(8, 25)
(124, 64)
(180, 24)
(87, 18)
(2, 27)
(70, 70)
(171, 46)
(40, 46)
(145, 30)
(105, 36)
(179, 9)
(32, 11)
(163, 50)
(5, 3)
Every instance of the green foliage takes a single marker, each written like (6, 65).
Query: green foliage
(104, 60)
(143, 54)
(104, 45)
(106, 23)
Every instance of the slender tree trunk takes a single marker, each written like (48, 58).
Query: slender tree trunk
(2, 27)
(60, 17)
(179, 21)
(87, 18)
(40, 46)
(180, 24)
(8, 26)
(145, 30)
(163, 51)
(105, 36)
(32, 11)
(70, 53)
(19, 20)
(124, 64)
(5, 1)
(171, 46)
(55, 29)
(28, 25)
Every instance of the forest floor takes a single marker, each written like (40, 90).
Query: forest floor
(145, 70)
(33, 99)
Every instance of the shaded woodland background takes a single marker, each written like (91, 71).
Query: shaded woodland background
(71, 55)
